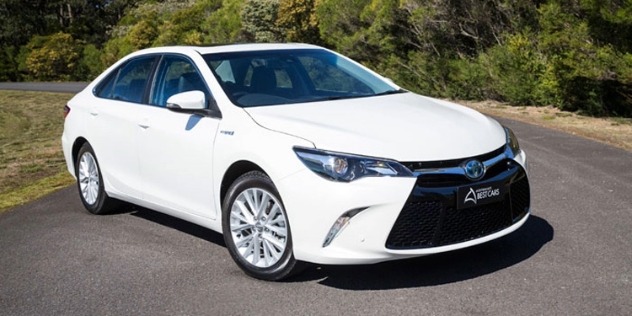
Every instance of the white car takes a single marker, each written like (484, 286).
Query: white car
(295, 153)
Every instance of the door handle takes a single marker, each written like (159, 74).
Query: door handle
(94, 113)
(144, 123)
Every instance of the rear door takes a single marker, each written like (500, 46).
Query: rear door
(114, 120)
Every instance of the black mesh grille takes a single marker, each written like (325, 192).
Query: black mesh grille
(441, 180)
(416, 225)
(470, 223)
(436, 222)
(520, 197)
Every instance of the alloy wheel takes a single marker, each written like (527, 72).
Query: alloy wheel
(258, 227)
(88, 178)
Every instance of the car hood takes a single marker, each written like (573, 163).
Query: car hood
(404, 127)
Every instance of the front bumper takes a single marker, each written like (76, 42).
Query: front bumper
(404, 217)
(431, 217)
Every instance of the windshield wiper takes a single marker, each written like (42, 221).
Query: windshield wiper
(390, 92)
(337, 97)
(340, 97)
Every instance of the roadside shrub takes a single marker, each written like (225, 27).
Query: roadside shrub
(8, 63)
(90, 63)
(53, 58)
(516, 70)
(468, 80)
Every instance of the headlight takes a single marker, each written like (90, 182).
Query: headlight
(512, 142)
(346, 168)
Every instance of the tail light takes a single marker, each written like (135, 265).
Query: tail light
(66, 110)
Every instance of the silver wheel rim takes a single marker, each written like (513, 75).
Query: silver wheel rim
(258, 227)
(88, 178)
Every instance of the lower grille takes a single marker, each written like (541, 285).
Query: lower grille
(520, 198)
(416, 225)
(471, 223)
(434, 222)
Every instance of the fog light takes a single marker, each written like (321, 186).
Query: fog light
(340, 224)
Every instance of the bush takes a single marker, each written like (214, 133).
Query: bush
(90, 63)
(516, 71)
(53, 58)
(8, 63)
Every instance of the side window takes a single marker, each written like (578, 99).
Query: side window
(224, 71)
(104, 89)
(176, 75)
(132, 79)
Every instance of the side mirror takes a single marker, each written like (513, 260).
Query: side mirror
(193, 102)
(190, 100)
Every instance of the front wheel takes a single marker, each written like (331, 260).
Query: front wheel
(256, 228)
(90, 182)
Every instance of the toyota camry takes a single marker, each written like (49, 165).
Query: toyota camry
(295, 153)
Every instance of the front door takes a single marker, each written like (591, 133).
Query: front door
(176, 149)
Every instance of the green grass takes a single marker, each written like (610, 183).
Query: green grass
(616, 121)
(31, 162)
(564, 114)
(548, 117)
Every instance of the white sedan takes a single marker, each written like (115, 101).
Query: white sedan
(295, 153)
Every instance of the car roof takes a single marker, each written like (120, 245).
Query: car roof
(225, 48)
(252, 47)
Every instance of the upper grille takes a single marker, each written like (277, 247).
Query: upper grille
(453, 162)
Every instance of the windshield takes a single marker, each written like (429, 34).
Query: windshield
(257, 78)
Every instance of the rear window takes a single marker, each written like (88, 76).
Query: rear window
(128, 82)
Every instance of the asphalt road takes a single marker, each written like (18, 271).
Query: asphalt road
(572, 257)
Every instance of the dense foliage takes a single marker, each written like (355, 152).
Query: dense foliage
(574, 54)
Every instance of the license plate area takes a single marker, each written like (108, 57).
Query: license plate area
(480, 194)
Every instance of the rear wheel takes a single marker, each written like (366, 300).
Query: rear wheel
(256, 228)
(90, 182)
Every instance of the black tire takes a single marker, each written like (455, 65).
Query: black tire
(102, 203)
(286, 265)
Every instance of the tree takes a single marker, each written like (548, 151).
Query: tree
(298, 18)
(90, 63)
(587, 72)
(341, 24)
(140, 28)
(56, 59)
(224, 24)
(259, 21)
(465, 28)
(21, 20)
(8, 64)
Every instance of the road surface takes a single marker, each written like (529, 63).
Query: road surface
(572, 257)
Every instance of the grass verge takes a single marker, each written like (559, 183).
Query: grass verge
(35, 190)
(614, 131)
(31, 161)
